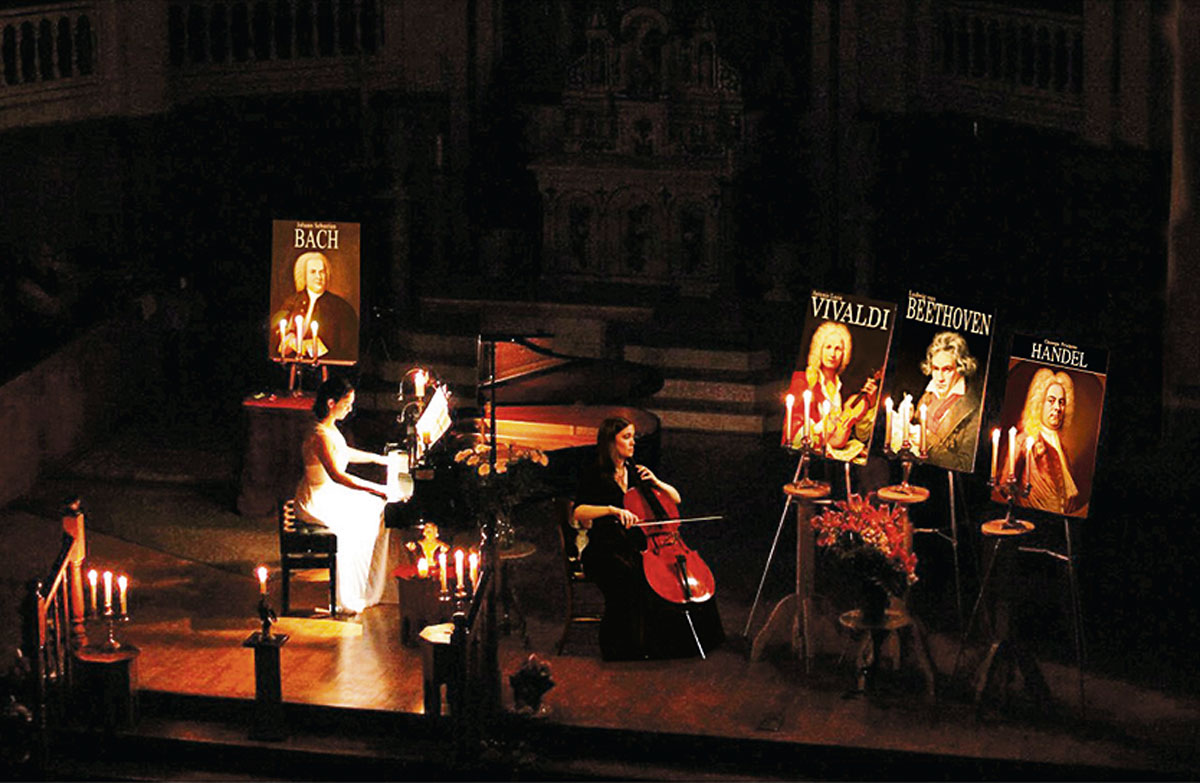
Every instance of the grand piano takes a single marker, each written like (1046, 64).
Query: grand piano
(530, 395)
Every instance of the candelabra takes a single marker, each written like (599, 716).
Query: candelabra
(115, 610)
(296, 366)
(904, 491)
(111, 618)
(1012, 489)
(802, 484)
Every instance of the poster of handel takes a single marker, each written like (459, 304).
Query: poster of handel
(314, 291)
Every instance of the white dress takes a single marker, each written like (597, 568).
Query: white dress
(354, 516)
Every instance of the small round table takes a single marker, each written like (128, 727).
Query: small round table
(519, 550)
(893, 621)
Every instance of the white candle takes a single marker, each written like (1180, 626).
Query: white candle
(807, 404)
(299, 334)
(995, 453)
(1012, 451)
(924, 411)
(282, 334)
(122, 585)
(419, 384)
(262, 580)
(1028, 455)
(442, 569)
(887, 429)
(473, 570)
(313, 327)
(422, 567)
(107, 590)
(458, 569)
(92, 577)
(788, 402)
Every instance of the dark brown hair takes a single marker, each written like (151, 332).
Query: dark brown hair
(606, 436)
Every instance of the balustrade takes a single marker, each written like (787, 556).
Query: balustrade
(47, 44)
(1009, 49)
(216, 32)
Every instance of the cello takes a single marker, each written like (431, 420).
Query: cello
(674, 571)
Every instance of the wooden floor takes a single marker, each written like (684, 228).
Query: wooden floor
(190, 621)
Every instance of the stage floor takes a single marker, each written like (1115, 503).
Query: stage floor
(190, 620)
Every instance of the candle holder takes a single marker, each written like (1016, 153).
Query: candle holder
(111, 619)
(296, 366)
(904, 492)
(1012, 490)
(803, 484)
(267, 615)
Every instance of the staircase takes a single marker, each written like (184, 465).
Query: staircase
(716, 379)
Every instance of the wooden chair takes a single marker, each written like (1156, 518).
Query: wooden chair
(573, 571)
(301, 546)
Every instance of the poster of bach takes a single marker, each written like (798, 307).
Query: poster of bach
(835, 386)
(314, 291)
(1050, 424)
(939, 374)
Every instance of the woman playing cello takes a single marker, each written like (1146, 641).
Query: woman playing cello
(637, 623)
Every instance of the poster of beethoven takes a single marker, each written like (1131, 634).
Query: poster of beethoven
(938, 378)
(1050, 424)
(835, 385)
(314, 291)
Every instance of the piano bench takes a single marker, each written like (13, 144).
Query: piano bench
(303, 546)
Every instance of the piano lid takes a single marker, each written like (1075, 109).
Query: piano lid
(528, 371)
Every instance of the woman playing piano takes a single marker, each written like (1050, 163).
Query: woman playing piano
(350, 506)
(637, 623)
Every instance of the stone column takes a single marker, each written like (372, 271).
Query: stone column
(1181, 349)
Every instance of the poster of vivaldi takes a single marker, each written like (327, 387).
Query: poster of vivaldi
(834, 390)
(937, 382)
(1050, 424)
(314, 291)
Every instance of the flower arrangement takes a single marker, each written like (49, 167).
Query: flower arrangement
(870, 540)
(491, 493)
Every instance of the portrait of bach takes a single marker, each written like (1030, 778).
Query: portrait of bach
(951, 402)
(337, 332)
(1047, 415)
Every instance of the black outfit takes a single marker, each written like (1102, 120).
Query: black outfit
(637, 622)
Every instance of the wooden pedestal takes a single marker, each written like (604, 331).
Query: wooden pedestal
(108, 687)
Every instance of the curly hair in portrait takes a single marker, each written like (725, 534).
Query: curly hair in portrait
(821, 335)
(300, 269)
(956, 344)
(1031, 416)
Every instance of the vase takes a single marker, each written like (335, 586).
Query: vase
(874, 603)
